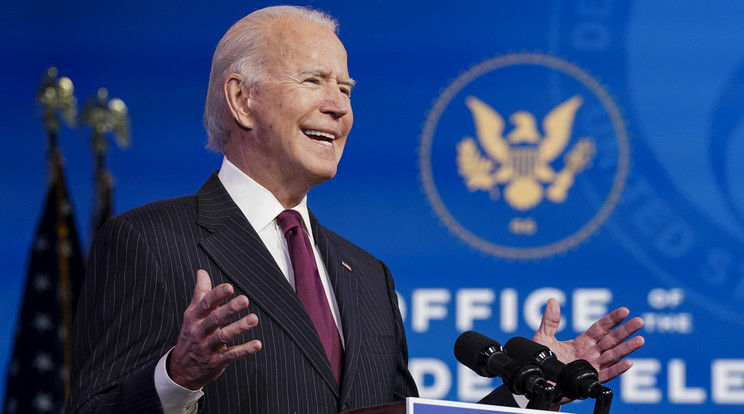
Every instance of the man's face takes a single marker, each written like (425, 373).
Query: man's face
(302, 112)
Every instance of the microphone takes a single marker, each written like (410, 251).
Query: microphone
(487, 358)
(577, 379)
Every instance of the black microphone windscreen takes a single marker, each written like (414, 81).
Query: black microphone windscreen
(468, 347)
(518, 347)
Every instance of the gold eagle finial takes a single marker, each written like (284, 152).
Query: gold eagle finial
(105, 116)
(56, 95)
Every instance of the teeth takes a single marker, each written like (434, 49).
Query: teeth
(320, 134)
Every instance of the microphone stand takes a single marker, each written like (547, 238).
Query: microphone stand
(602, 398)
(580, 379)
(526, 378)
(540, 397)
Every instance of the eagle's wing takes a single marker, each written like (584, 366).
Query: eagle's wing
(473, 167)
(119, 121)
(490, 128)
(68, 102)
(557, 126)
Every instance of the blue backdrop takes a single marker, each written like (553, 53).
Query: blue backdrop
(632, 194)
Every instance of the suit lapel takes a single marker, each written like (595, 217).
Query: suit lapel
(345, 288)
(239, 252)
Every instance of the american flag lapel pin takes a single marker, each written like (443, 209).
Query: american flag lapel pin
(346, 265)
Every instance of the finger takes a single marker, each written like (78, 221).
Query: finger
(550, 320)
(230, 332)
(203, 286)
(239, 351)
(620, 334)
(621, 351)
(615, 370)
(606, 324)
(212, 300)
(222, 314)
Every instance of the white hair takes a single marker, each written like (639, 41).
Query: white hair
(241, 51)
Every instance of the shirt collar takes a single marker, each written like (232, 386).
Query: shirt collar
(257, 203)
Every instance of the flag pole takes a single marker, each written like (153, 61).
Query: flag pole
(57, 96)
(104, 116)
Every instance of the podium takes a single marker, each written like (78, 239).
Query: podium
(426, 406)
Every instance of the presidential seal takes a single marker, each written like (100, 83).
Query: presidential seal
(524, 156)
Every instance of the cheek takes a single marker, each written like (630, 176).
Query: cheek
(350, 118)
(340, 148)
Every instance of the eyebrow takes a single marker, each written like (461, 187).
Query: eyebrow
(348, 82)
(327, 75)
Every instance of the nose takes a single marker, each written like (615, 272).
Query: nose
(335, 103)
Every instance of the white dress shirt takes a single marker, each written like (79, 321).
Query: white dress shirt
(261, 208)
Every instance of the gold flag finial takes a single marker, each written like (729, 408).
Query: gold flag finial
(56, 95)
(106, 116)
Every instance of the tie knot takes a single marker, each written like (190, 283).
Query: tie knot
(288, 219)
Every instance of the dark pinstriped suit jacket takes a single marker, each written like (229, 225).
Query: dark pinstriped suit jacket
(141, 277)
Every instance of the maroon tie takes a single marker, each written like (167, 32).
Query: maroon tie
(309, 287)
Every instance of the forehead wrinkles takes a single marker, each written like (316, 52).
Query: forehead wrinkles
(298, 45)
(284, 38)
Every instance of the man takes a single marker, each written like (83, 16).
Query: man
(278, 107)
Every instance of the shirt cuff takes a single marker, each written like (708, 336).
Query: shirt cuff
(174, 398)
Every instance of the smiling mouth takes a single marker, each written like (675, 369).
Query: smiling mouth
(323, 137)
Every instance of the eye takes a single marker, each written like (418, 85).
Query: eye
(346, 91)
(312, 81)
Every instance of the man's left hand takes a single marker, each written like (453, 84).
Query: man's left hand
(604, 344)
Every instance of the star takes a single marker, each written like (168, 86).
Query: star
(65, 207)
(42, 322)
(65, 249)
(43, 362)
(11, 406)
(43, 402)
(41, 244)
(41, 282)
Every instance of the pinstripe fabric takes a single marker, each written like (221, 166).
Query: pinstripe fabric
(141, 278)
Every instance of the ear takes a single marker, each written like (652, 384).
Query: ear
(238, 100)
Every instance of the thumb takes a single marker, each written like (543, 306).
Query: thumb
(203, 286)
(550, 320)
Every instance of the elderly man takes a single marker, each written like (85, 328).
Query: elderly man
(300, 320)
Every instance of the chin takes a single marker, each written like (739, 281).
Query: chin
(324, 175)
(327, 176)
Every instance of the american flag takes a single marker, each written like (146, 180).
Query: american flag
(38, 374)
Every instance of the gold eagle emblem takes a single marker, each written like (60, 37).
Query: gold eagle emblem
(521, 160)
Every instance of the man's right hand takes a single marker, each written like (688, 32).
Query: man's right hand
(201, 353)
